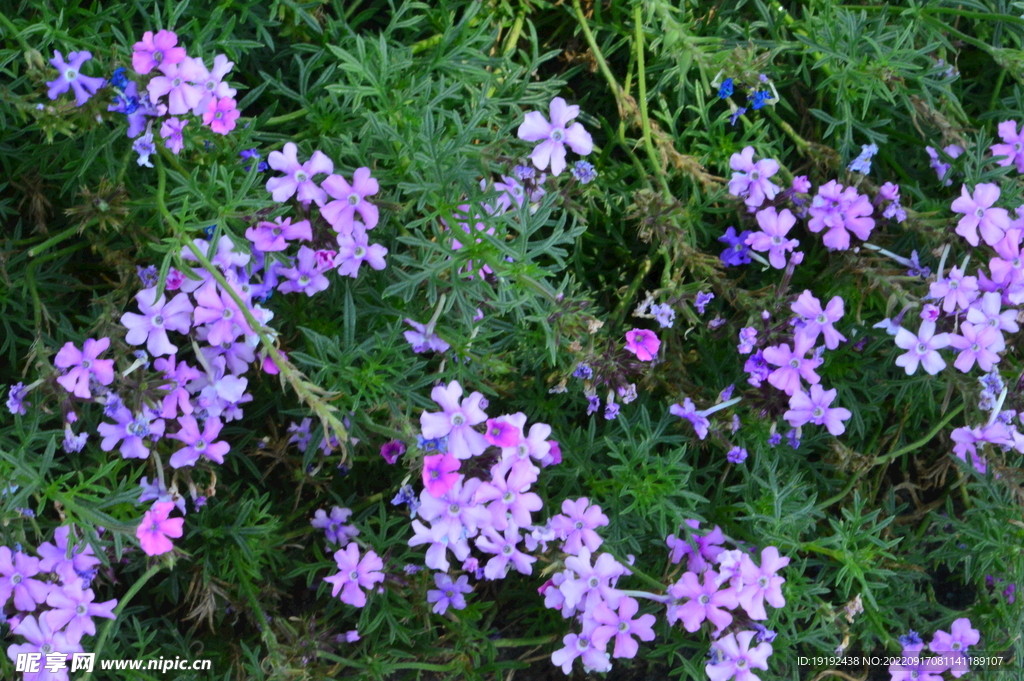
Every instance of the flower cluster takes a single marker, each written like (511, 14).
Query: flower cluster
(53, 603)
(951, 654)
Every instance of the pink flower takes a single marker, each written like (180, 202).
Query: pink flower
(705, 602)
(218, 309)
(955, 643)
(171, 131)
(814, 409)
(975, 344)
(351, 199)
(1013, 147)
(456, 421)
(156, 527)
(221, 115)
(771, 238)
(198, 444)
(157, 317)
(274, 236)
(298, 177)
(212, 83)
(555, 135)
(752, 179)
(761, 583)
(979, 214)
(577, 523)
(439, 473)
(921, 349)
(840, 210)
(356, 249)
(642, 343)
(354, 573)
(819, 321)
(956, 290)
(622, 627)
(83, 365)
(16, 578)
(792, 365)
(152, 51)
(74, 608)
(176, 83)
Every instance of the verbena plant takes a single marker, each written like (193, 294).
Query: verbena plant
(512, 340)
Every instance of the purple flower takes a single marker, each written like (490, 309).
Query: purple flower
(666, 316)
(16, 399)
(333, 525)
(212, 85)
(751, 179)
(737, 251)
(53, 557)
(813, 408)
(689, 412)
(354, 250)
(439, 473)
(771, 238)
(921, 349)
(221, 115)
(391, 450)
(758, 369)
(582, 646)
(702, 300)
(456, 421)
(862, 164)
(171, 131)
(44, 640)
(349, 200)
(980, 215)
(622, 627)
(708, 547)
(642, 343)
(423, 338)
(178, 396)
(940, 168)
(705, 602)
(218, 309)
(819, 321)
(734, 657)
(176, 82)
(73, 610)
(576, 525)
(1012, 148)
(583, 370)
(306, 276)
(274, 236)
(736, 115)
(555, 135)
(975, 344)
(298, 177)
(84, 366)
(133, 431)
(354, 573)
(157, 317)
(592, 584)
(920, 668)
(736, 455)
(840, 211)
(505, 549)
(152, 51)
(748, 338)
(955, 643)
(761, 583)
(71, 77)
(198, 444)
(583, 171)
(593, 404)
(448, 593)
(16, 577)
(506, 492)
(792, 365)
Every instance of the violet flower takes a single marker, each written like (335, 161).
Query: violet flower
(306, 276)
(298, 177)
(737, 252)
(74, 608)
(152, 51)
(176, 82)
(133, 431)
(955, 643)
(792, 365)
(813, 408)
(71, 77)
(975, 344)
(274, 236)
(157, 317)
(456, 421)
(84, 365)
(819, 321)
(423, 338)
(762, 583)
(980, 215)
(17, 571)
(705, 602)
(921, 349)
(448, 593)
(1012, 147)
(622, 627)
(771, 238)
(506, 553)
(354, 573)
(956, 290)
(555, 135)
(751, 179)
(42, 639)
(337, 532)
(735, 658)
(354, 250)
(221, 115)
(349, 200)
(576, 525)
(198, 444)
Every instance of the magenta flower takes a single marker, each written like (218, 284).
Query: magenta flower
(171, 131)
(761, 584)
(83, 365)
(391, 450)
(980, 215)
(71, 77)
(218, 309)
(772, 237)
(737, 659)
(16, 577)
(212, 83)
(156, 319)
(354, 573)
(555, 135)
(73, 608)
(792, 365)
(819, 321)
(688, 411)
(448, 593)
(956, 290)
(176, 83)
(274, 236)
(642, 343)
(622, 627)
(305, 277)
(577, 524)
(751, 181)
(221, 115)
(921, 349)
(439, 473)
(975, 344)
(156, 527)
(349, 200)
(955, 643)
(152, 51)
(354, 250)
(813, 408)
(705, 602)
(1012, 147)
(198, 444)
(501, 432)
(456, 421)
(132, 431)
(298, 176)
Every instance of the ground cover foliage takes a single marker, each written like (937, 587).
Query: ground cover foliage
(886, 530)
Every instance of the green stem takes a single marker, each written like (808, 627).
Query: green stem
(524, 642)
(641, 81)
(109, 624)
(644, 577)
(598, 56)
(15, 32)
(513, 37)
(52, 241)
(284, 118)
